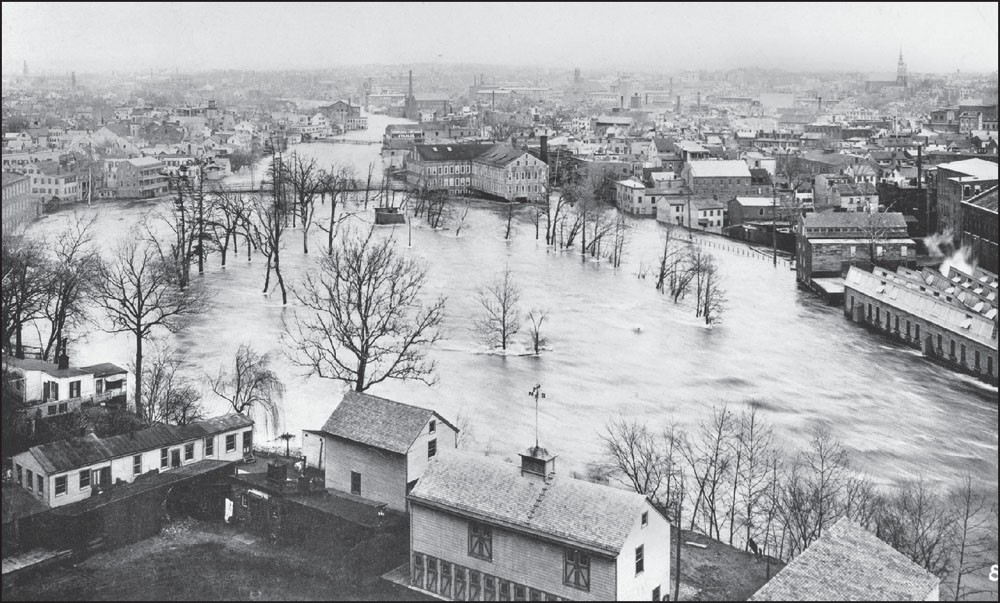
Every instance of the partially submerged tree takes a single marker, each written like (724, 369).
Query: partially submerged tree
(501, 318)
(72, 275)
(364, 320)
(252, 388)
(537, 316)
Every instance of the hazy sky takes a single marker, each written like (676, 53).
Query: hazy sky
(936, 37)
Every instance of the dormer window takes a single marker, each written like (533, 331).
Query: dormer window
(432, 427)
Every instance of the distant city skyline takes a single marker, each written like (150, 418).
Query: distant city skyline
(861, 37)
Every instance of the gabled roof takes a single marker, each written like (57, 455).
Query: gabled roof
(103, 369)
(849, 563)
(722, 168)
(978, 168)
(379, 422)
(72, 453)
(584, 514)
(450, 152)
(887, 220)
(501, 155)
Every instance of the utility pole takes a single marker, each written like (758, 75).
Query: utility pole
(536, 392)
(774, 225)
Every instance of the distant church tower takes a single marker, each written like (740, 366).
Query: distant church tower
(901, 77)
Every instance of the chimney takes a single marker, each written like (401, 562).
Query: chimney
(920, 166)
(699, 99)
(544, 148)
(537, 461)
(63, 360)
(820, 103)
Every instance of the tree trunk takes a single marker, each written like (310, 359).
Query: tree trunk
(138, 377)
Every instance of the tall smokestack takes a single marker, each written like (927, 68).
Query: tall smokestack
(411, 83)
(820, 104)
(671, 86)
(678, 103)
(543, 150)
(920, 166)
(699, 99)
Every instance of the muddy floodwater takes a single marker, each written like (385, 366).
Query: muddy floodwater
(617, 347)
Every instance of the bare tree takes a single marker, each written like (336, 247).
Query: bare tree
(713, 297)
(975, 535)
(466, 433)
(633, 456)
(461, 219)
(753, 451)
(26, 289)
(335, 184)
(536, 316)
(252, 388)
(306, 182)
(72, 276)
(364, 321)
(674, 274)
(140, 295)
(710, 458)
(269, 230)
(167, 397)
(619, 239)
(919, 523)
(509, 222)
(189, 221)
(501, 316)
(230, 211)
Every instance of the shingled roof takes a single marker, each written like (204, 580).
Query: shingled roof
(72, 453)
(567, 510)
(849, 563)
(379, 422)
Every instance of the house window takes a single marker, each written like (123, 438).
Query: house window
(656, 593)
(576, 569)
(645, 518)
(491, 588)
(29, 479)
(137, 464)
(417, 578)
(189, 451)
(504, 590)
(916, 332)
(355, 483)
(52, 409)
(163, 458)
(432, 448)
(85, 479)
(41, 484)
(63, 407)
(247, 442)
(209, 446)
(433, 426)
(231, 442)
(638, 560)
(952, 346)
(431, 574)
(175, 457)
(480, 540)
(20, 477)
(60, 485)
(74, 389)
(520, 593)
(244, 500)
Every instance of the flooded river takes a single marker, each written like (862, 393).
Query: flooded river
(617, 347)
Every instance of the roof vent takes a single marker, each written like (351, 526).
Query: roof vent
(538, 461)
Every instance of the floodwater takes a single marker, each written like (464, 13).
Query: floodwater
(617, 347)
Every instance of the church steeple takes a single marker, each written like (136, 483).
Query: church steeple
(901, 76)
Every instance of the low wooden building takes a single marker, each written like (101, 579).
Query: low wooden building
(377, 448)
(484, 529)
(67, 471)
